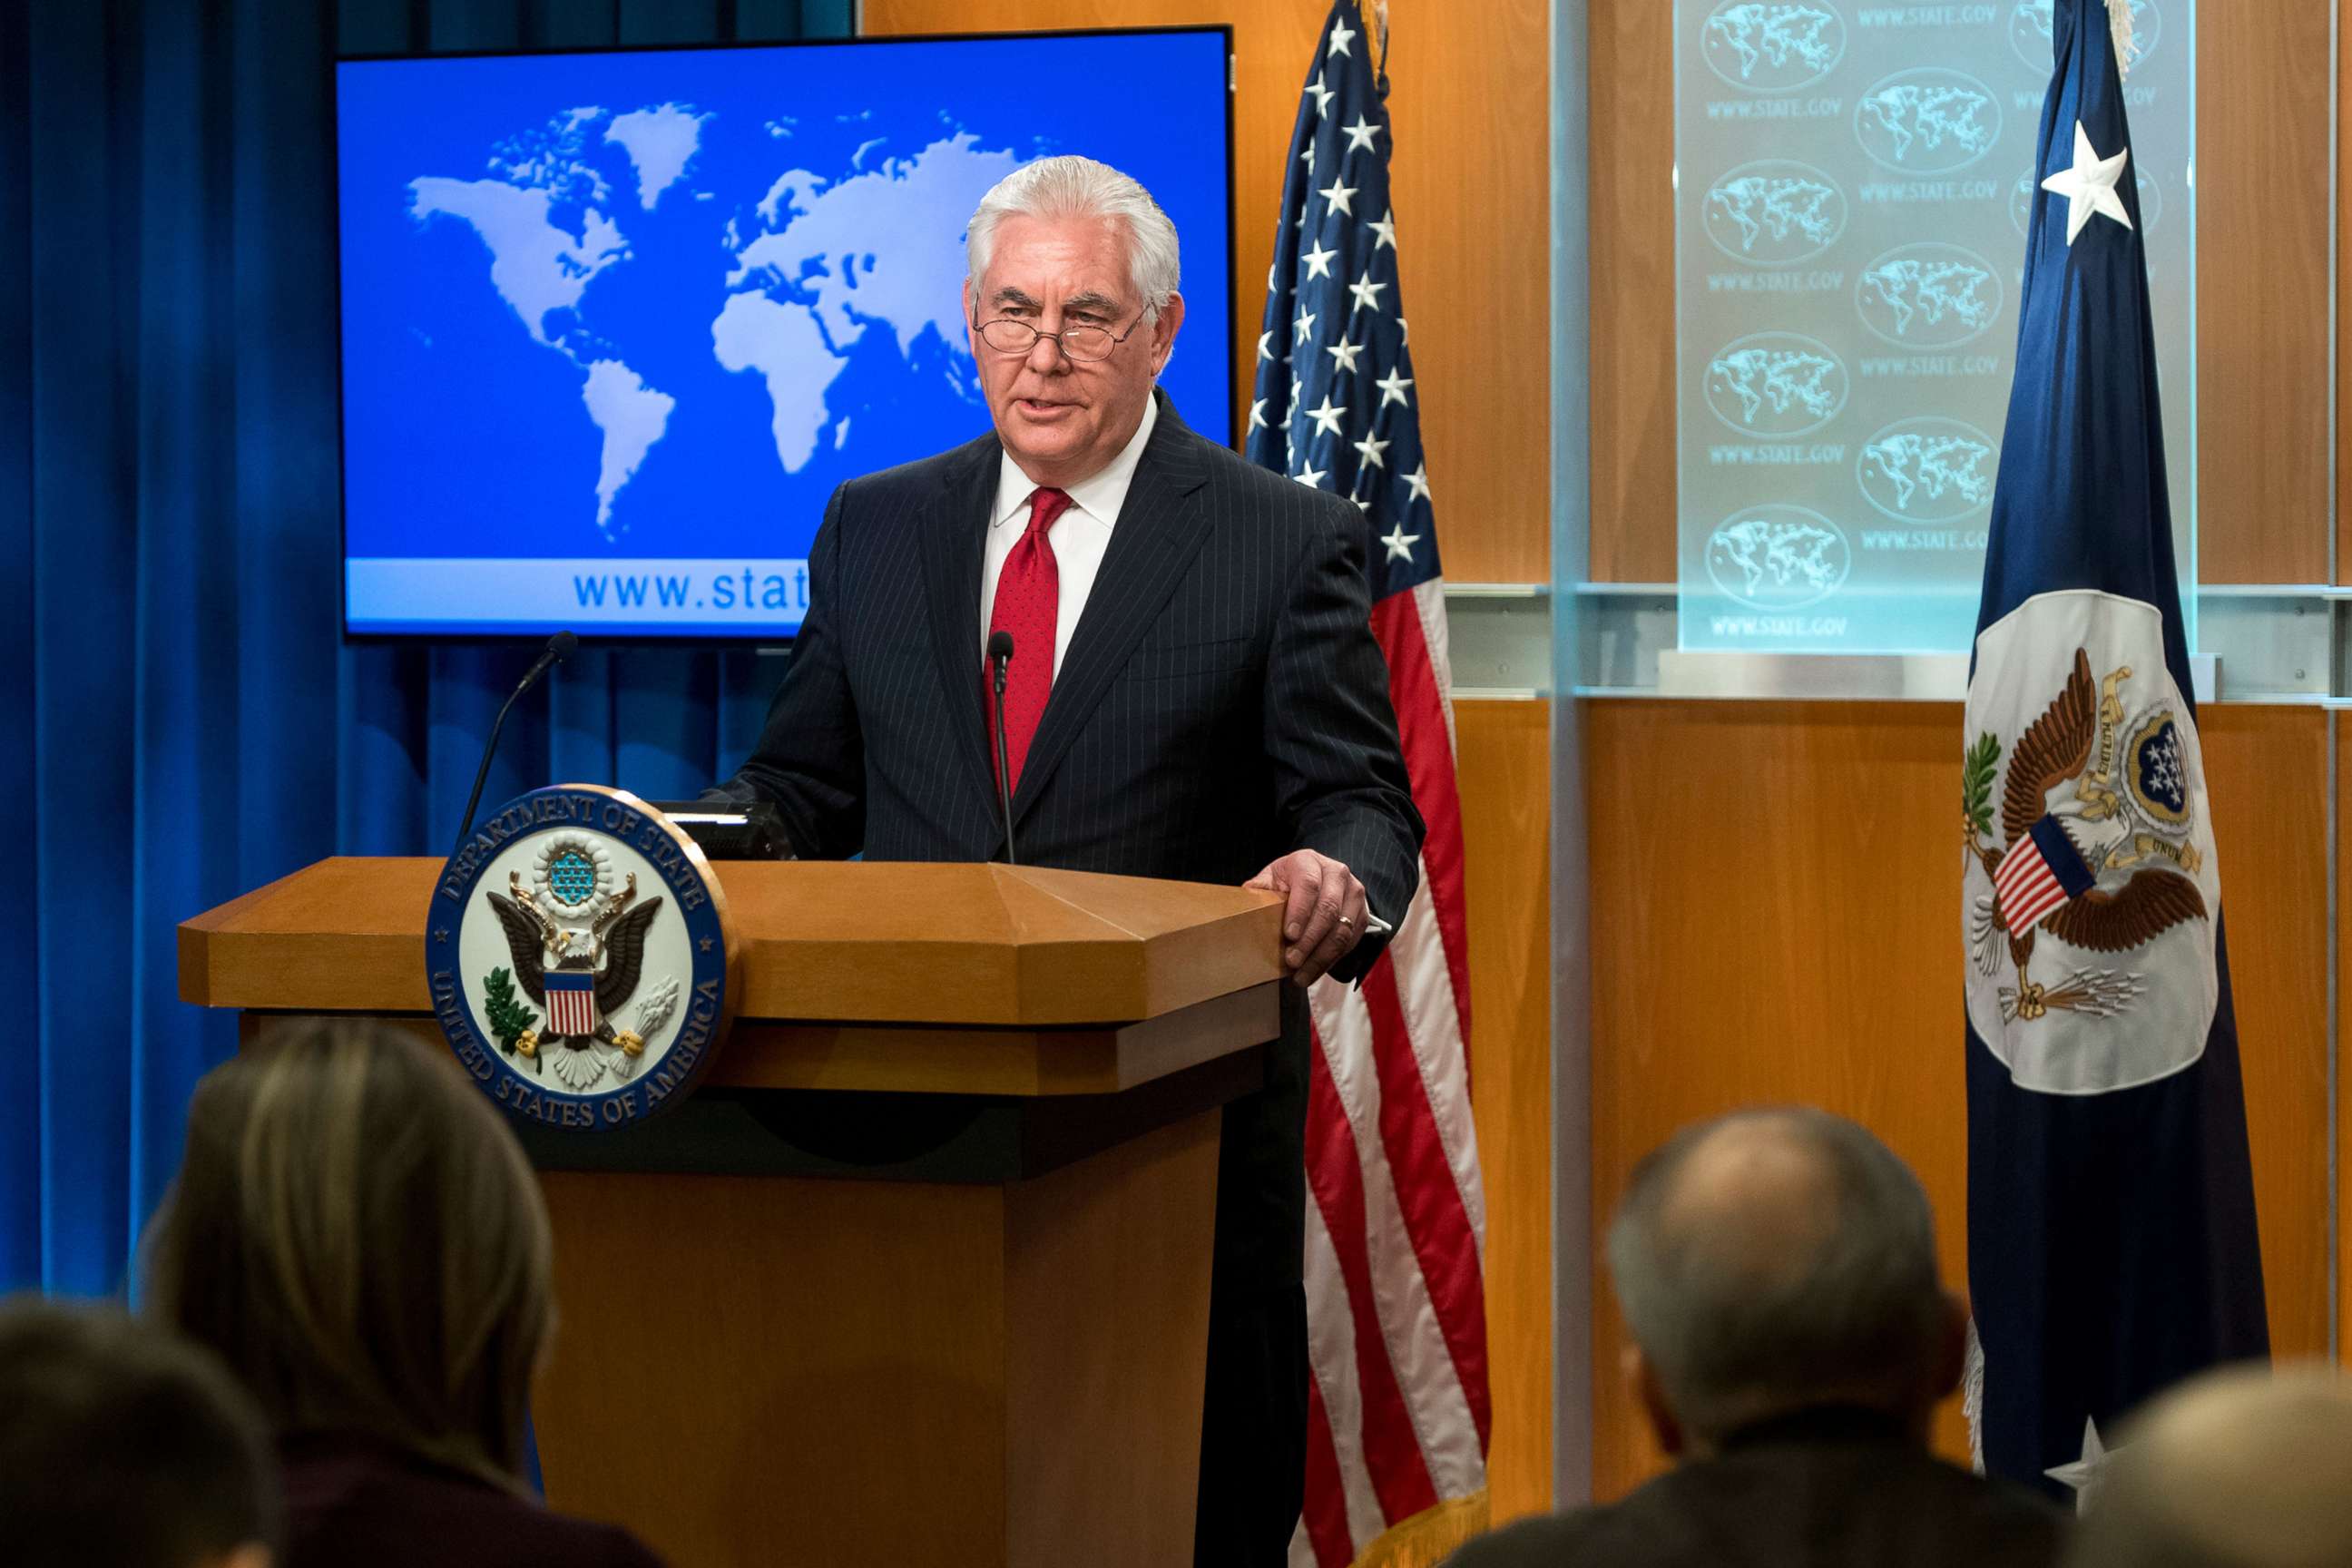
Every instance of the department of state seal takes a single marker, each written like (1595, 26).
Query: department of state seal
(580, 958)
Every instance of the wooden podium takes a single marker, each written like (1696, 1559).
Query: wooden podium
(920, 1275)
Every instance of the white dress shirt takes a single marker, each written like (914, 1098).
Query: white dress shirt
(1079, 536)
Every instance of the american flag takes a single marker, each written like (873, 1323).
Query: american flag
(2041, 872)
(570, 1002)
(1398, 1412)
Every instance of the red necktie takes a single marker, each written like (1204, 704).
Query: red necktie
(1029, 606)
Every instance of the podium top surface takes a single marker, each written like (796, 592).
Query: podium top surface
(850, 942)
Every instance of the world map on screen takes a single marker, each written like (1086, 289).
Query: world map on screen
(809, 264)
(616, 326)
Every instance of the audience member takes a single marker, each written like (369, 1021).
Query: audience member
(1776, 1271)
(121, 1448)
(2236, 1469)
(356, 1232)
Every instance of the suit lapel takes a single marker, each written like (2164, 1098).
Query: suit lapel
(1159, 532)
(951, 535)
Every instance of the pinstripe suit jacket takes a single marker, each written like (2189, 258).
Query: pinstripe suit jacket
(1222, 703)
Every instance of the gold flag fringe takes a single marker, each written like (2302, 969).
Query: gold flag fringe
(1429, 1537)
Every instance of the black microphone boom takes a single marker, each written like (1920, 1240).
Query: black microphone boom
(1000, 656)
(559, 648)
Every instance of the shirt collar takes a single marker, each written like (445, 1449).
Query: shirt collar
(1100, 496)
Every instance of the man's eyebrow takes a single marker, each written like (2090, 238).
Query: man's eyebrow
(1096, 304)
(1009, 296)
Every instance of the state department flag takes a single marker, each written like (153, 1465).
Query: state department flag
(2112, 1249)
(1398, 1413)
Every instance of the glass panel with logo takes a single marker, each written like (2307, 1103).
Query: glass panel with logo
(1853, 184)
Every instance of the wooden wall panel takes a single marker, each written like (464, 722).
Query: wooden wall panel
(2343, 344)
(2267, 769)
(1630, 200)
(2264, 134)
(2343, 1030)
(1783, 926)
(1505, 771)
(1470, 101)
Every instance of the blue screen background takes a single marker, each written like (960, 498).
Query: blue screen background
(475, 190)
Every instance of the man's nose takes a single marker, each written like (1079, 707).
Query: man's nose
(1046, 356)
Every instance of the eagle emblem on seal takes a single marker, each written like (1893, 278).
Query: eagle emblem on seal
(2097, 845)
(578, 943)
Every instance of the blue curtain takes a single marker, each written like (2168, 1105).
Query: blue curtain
(180, 720)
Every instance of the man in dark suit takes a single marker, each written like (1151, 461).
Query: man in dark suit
(1776, 1271)
(1194, 693)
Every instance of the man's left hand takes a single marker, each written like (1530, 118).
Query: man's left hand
(1323, 914)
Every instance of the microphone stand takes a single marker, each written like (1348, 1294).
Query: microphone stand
(1000, 660)
(559, 649)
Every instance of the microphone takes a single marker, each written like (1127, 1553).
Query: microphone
(559, 648)
(999, 658)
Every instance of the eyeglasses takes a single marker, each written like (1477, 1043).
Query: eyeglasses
(1008, 336)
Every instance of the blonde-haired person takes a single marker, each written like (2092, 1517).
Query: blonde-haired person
(356, 1233)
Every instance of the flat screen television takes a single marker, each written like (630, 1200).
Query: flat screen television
(614, 325)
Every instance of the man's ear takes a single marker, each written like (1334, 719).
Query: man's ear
(1163, 331)
(1642, 1383)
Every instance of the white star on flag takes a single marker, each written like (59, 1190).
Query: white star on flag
(1341, 37)
(1360, 134)
(1385, 226)
(1264, 345)
(1338, 195)
(1419, 480)
(1309, 477)
(1370, 449)
(1318, 261)
(1400, 543)
(1343, 355)
(1257, 413)
(1392, 388)
(2083, 1475)
(1305, 325)
(2090, 186)
(1366, 293)
(1323, 96)
(1327, 418)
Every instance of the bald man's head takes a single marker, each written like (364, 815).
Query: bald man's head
(1770, 1260)
(2241, 1468)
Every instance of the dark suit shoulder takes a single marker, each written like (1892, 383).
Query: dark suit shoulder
(356, 1503)
(1294, 521)
(911, 482)
(1554, 1538)
(1285, 497)
(1794, 1507)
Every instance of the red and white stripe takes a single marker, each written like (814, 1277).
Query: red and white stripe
(1398, 1408)
(571, 1008)
(2024, 887)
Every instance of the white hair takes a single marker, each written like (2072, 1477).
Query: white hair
(1080, 187)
